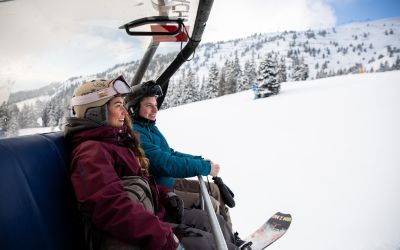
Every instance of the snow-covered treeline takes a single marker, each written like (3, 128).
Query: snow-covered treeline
(228, 67)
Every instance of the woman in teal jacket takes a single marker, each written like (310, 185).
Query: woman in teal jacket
(166, 163)
(170, 167)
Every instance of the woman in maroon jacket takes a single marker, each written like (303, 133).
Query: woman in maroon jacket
(104, 149)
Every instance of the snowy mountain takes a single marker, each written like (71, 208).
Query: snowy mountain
(352, 48)
(363, 45)
(326, 151)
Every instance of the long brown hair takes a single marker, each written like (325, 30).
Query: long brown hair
(137, 149)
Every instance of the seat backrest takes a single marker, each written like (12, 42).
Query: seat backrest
(38, 209)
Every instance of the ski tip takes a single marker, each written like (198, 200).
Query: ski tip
(282, 214)
(280, 220)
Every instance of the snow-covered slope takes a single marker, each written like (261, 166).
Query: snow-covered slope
(327, 151)
(32, 101)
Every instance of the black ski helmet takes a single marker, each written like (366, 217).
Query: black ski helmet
(145, 89)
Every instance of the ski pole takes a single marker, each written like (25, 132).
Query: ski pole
(215, 227)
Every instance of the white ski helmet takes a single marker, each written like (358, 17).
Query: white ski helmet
(90, 98)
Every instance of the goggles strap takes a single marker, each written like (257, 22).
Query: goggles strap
(92, 97)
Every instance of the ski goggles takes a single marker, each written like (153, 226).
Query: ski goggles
(117, 86)
(149, 88)
(156, 90)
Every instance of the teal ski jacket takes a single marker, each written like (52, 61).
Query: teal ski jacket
(166, 163)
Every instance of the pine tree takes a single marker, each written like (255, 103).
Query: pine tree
(203, 95)
(281, 77)
(8, 120)
(31, 121)
(211, 88)
(190, 88)
(53, 116)
(267, 77)
(222, 83)
(249, 76)
(237, 74)
(12, 123)
(45, 115)
(26, 117)
(57, 113)
(23, 116)
(396, 64)
(179, 90)
(321, 74)
(300, 71)
(231, 77)
(171, 98)
(3, 119)
(386, 67)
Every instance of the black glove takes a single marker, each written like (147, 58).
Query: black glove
(226, 193)
(175, 207)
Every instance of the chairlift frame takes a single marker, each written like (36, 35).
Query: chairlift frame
(203, 12)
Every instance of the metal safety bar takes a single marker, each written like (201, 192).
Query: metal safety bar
(215, 227)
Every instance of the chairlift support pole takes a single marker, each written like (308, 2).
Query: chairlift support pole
(215, 227)
(203, 13)
(144, 63)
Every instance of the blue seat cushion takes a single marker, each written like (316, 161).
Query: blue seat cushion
(38, 208)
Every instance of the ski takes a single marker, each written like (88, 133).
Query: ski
(270, 231)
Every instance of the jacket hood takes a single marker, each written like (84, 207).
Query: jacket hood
(78, 130)
(75, 125)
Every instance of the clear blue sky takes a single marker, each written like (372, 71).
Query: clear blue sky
(360, 10)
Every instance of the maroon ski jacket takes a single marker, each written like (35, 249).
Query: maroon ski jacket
(99, 158)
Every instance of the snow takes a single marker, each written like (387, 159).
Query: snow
(32, 101)
(326, 151)
(41, 130)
